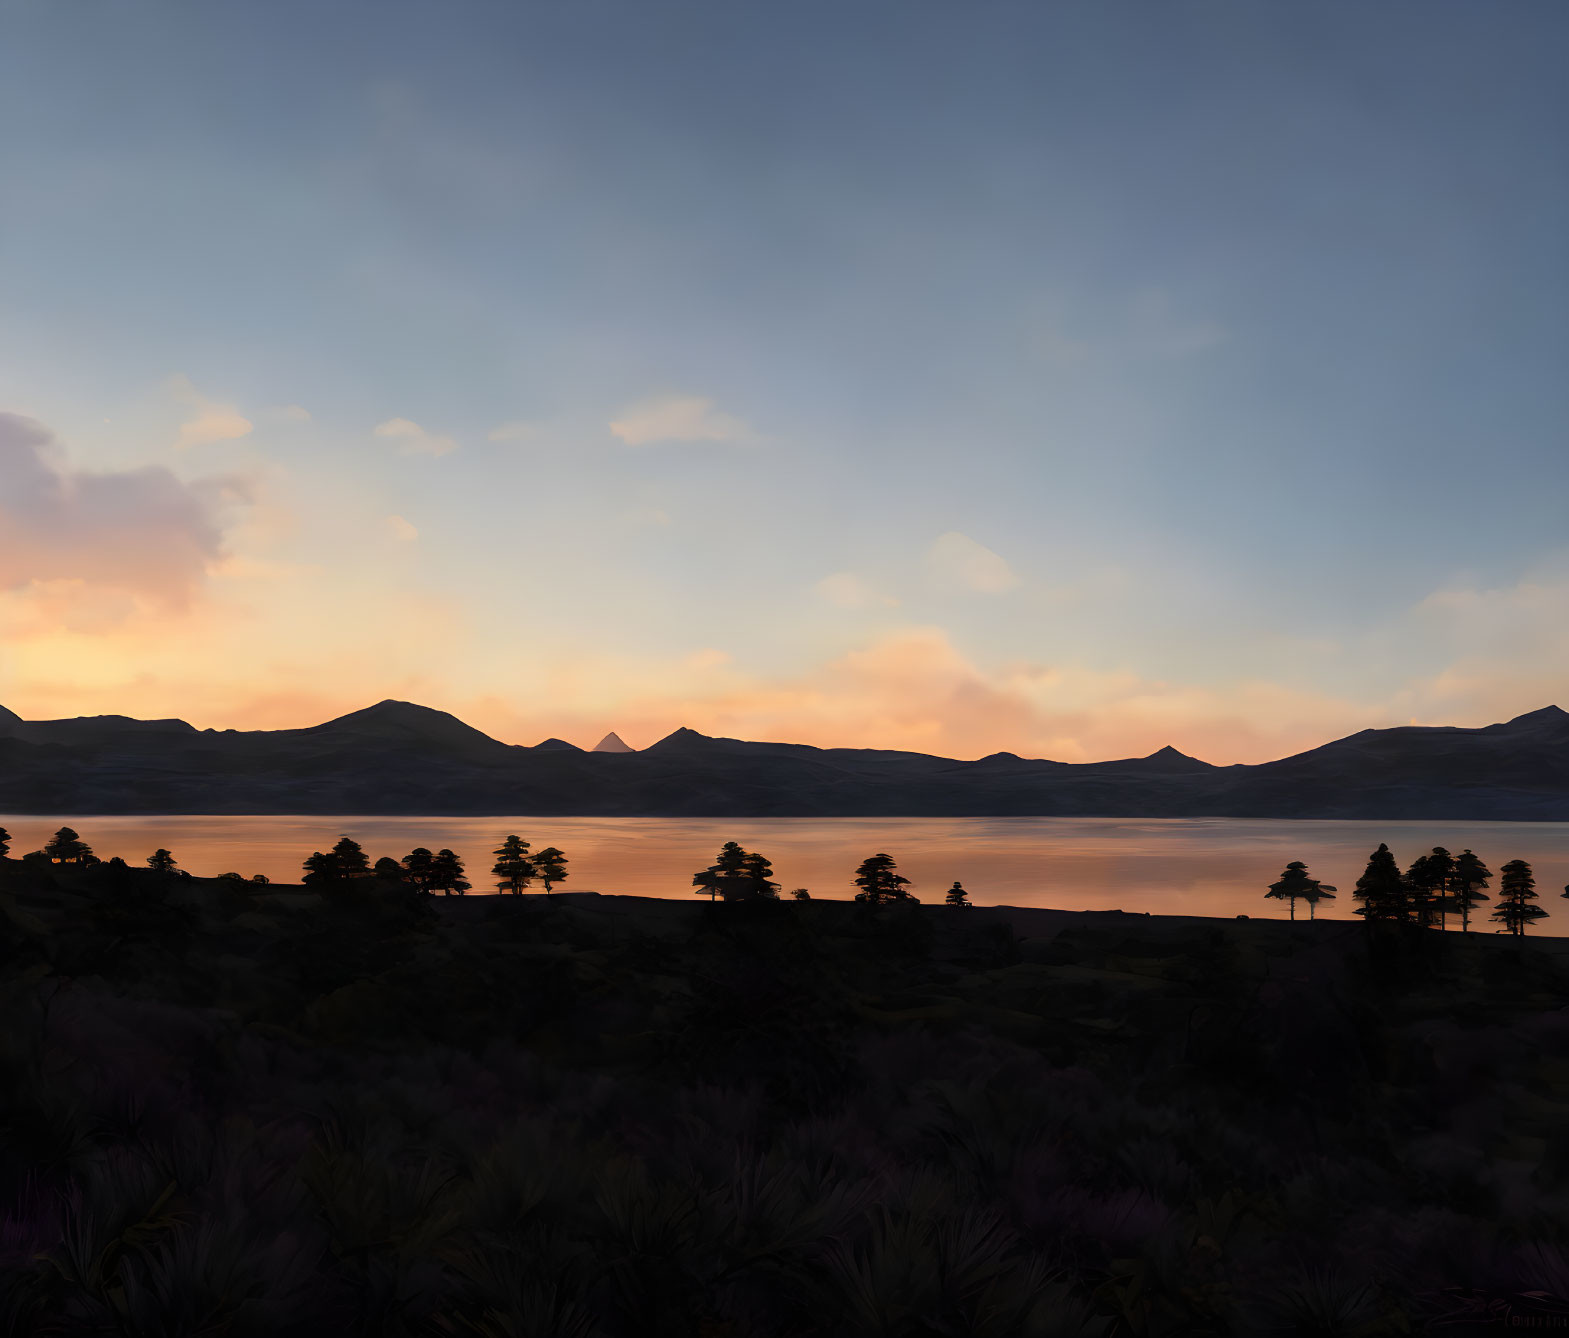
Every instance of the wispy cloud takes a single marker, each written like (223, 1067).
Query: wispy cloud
(413, 439)
(957, 562)
(677, 418)
(846, 590)
(209, 421)
(402, 530)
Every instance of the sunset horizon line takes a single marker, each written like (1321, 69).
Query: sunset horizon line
(8, 716)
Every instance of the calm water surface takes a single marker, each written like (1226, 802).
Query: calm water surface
(1177, 866)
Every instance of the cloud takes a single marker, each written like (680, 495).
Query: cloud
(912, 688)
(415, 439)
(708, 658)
(846, 590)
(677, 418)
(144, 533)
(957, 562)
(402, 531)
(211, 421)
(291, 413)
(516, 429)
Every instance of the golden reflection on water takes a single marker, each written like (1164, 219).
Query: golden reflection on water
(1179, 866)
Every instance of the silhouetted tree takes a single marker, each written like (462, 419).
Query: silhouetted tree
(320, 867)
(1315, 893)
(388, 869)
(513, 866)
(1470, 877)
(879, 883)
(1428, 881)
(419, 864)
(1419, 891)
(1516, 892)
(957, 896)
(352, 862)
(726, 876)
(232, 877)
(260, 878)
(161, 861)
(1290, 885)
(550, 866)
(1382, 890)
(756, 870)
(1441, 877)
(446, 873)
(66, 847)
(5, 843)
(801, 894)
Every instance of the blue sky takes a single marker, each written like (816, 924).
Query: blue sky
(1067, 378)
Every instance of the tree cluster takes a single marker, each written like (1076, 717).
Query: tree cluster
(739, 875)
(1439, 884)
(517, 869)
(878, 883)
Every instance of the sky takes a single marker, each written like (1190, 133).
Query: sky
(1065, 379)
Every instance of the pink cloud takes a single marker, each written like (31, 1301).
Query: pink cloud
(143, 532)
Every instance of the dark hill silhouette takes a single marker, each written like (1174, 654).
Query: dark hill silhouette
(403, 723)
(396, 757)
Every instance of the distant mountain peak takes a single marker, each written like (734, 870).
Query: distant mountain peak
(9, 719)
(680, 738)
(612, 743)
(556, 746)
(1173, 759)
(1546, 715)
(395, 719)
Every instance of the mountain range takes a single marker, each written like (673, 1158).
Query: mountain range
(399, 758)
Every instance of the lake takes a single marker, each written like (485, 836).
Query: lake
(1176, 866)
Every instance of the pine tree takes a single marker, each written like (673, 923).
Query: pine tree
(1297, 883)
(513, 866)
(1470, 877)
(957, 896)
(66, 847)
(1381, 889)
(5, 843)
(350, 860)
(419, 864)
(320, 868)
(1516, 892)
(161, 861)
(726, 876)
(1441, 874)
(1419, 890)
(1315, 893)
(756, 871)
(1290, 885)
(446, 873)
(550, 866)
(879, 883)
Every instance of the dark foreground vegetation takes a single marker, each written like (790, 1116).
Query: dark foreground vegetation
(233, 1108)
